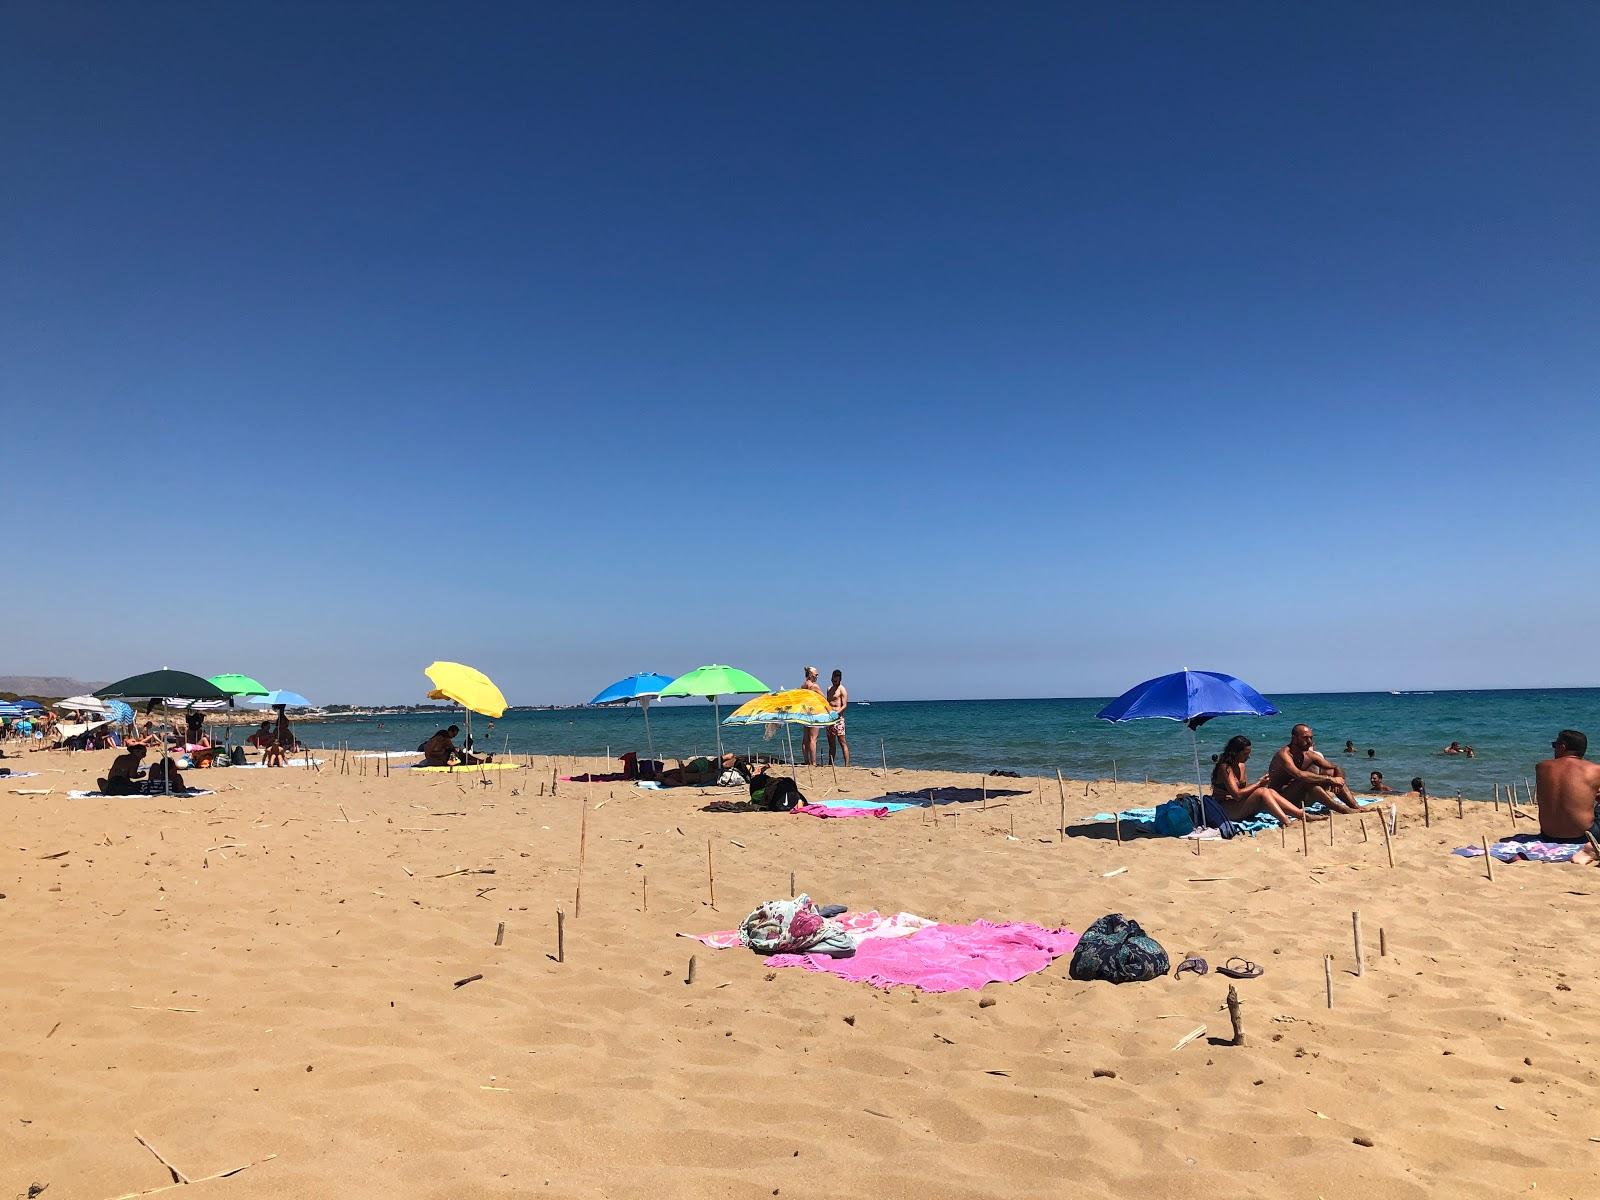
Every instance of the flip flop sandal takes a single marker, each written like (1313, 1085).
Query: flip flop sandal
(1197, 965)
(1246, 969)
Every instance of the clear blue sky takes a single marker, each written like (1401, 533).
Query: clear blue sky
(979, 350)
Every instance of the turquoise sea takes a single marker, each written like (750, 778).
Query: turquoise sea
(1510, 730)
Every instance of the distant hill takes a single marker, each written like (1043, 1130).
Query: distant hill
(46, 685)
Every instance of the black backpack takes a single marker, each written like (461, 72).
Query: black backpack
(778, 793)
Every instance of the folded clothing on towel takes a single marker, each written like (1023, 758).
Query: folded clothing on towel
(861, 926)
(1525, 847)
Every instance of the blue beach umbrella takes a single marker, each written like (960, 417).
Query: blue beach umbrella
(287, 699)
(643, 687)
(29, 705)
(121, 711)
(1193, 697)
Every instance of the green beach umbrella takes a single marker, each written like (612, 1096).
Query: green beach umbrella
(238, 685)
(711, 682)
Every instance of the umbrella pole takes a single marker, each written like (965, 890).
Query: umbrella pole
(716, 724)
(649, 739)
(1200, 791)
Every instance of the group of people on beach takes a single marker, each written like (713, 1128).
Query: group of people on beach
(1297, 777)
(838, 698)
(1567, 787)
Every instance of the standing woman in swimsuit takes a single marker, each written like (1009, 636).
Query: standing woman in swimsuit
(1239, 798)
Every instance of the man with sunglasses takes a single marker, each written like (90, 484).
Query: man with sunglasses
(1569, 794)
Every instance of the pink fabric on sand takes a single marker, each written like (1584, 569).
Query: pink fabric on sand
(946, 958)
(822, 810)
(860, 925)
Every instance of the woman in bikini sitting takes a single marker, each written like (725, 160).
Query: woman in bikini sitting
(1239, 798)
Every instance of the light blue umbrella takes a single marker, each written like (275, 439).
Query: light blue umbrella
(285, 698)
(643, 687)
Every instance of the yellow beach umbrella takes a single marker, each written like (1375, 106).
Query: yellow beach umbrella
(467, 686)
(800, 706)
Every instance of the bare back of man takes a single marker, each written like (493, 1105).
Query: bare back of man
(1568, 788)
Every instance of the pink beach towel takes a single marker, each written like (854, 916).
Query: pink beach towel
(946, 958)
(823, 810)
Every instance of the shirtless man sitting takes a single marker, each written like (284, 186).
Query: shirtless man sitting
(125, 776)
(440, 750)
(1569, 795)
(1304, 777)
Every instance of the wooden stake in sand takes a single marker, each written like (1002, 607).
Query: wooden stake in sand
(1355, 923)
(1497, 797)
(1488, 859)
(884, 754)
(1383, 943)
(792, 892)
(1331, 824)
(583, 843)
(561, 936)
(689, 978)
(1305, 836)
(1427, 812)
(1362, 821)
(500, 934)
(1388, 846)
(711, 875)
(1061, 788)
(1113, 774)
(1235, 1016)
(644, 879)
(1461, 812)
(1327, 974)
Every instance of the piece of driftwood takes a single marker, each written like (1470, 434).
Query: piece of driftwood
(167, 1187)
(1355, 922)
(469, 979)
(177, 1175)
(1234, 1015)
(500, 934)
(1198, 1031)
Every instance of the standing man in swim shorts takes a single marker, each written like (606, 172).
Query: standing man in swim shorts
(808, 739)
(838, 697)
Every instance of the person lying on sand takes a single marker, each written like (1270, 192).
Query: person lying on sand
(1568, 791)
(1376, 784)
(1240, 799)
(124, 777)
(1301, 775)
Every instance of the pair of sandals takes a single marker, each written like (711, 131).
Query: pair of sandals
(1245, 969)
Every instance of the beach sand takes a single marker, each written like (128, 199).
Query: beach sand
(269, 971)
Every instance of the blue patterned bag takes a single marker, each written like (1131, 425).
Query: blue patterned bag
(1117, 950)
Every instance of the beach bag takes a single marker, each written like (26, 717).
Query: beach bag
(1173, 819)
(777, 793)
(1117, 950)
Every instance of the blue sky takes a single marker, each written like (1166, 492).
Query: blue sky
(980, 351)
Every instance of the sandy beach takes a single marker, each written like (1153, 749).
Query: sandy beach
(267, 976)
